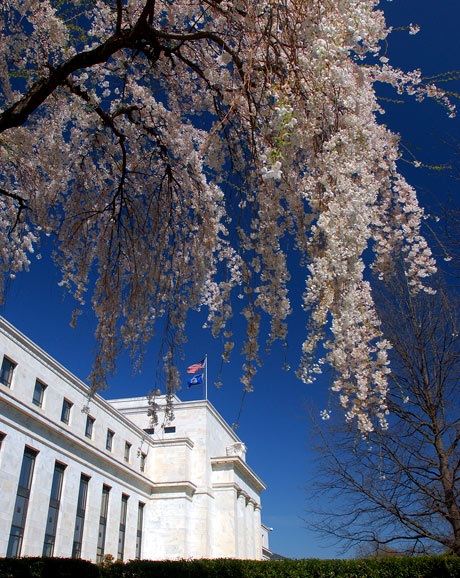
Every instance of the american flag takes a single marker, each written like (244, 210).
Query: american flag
(196, 367)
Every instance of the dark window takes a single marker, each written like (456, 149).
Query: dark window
(109, 440)
(53, 510)
(39, 393)
(27, 469)
(2, 437)
(127, 451)
(143, 458)
(80, 517)
(170, 429)
(89, 426)
(122, 531)
(102, 523)
(6, 371)
(18, 522)
(150, 431)
(65, 413)
(140, 523)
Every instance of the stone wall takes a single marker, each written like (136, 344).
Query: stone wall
(200, 497)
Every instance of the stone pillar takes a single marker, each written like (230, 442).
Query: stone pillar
(225, 523)
(258, 532)
(250, 546)
(241, 524)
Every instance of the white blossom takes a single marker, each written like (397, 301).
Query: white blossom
(125, 161)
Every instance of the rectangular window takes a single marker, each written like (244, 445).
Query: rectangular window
(150, 431)
(170, 429)
(80, 518)
(6, 371)
(39, 393)
(127, 451)
(109, 440)
(102, 523)
(140, 523)
(53, 510)
(89, 426)
(18, 522)
(143, 458)
(65, 413)
(122, 531)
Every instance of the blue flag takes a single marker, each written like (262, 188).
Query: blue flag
(195, 380)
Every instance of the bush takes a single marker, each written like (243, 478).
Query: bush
(407, 567)
(47, 568)
(404, 567)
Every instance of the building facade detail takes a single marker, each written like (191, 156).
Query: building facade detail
(87, 477)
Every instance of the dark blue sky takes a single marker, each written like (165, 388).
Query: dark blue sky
(273, 422)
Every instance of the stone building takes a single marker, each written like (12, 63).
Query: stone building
(87, 477)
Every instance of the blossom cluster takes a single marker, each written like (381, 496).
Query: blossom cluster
(172, 149)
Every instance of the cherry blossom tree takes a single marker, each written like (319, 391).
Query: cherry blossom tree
(172, 147)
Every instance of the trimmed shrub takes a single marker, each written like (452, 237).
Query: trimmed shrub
(407, 567)
(47, 568)
(404, 567)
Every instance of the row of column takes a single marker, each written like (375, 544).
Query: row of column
(249, 529)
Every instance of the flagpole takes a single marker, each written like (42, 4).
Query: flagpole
(206, 376)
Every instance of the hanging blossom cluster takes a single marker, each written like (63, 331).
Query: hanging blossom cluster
(172, 148)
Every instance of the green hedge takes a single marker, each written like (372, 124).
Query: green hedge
(417, 567)
(426, 567)
(47, 568)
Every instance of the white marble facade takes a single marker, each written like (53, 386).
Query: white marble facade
(183, 490)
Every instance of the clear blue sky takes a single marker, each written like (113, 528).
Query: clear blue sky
(273, 422)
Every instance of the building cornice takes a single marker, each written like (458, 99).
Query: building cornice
(170, 490)
(173, 442)
(236, 463)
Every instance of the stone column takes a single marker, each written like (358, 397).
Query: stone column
(241, 524)
(250, 546)
(257, 532)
